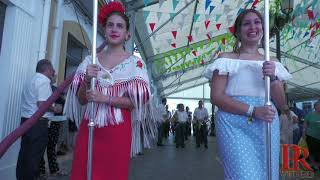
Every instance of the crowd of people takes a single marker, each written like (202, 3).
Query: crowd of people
(182, 124)
(126, 123)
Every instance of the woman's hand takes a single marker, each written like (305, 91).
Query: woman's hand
(91, 72)
(96, 96)
(266, 113)
(269, 68)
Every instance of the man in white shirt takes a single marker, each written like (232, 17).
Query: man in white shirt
(34, 141)
(180, 117)
(200, 116)
(161, 125)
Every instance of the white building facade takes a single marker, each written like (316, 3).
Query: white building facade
(32, 30)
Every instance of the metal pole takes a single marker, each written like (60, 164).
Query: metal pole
(92, 84)
(267, 88)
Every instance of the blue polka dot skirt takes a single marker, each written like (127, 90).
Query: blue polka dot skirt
(242, 146)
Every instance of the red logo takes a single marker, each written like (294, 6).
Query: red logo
(294, 162)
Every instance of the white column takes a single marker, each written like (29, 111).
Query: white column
(44, 29)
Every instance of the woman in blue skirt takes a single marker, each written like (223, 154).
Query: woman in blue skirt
(238, 91)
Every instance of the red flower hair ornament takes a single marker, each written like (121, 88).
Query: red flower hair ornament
(107, 9)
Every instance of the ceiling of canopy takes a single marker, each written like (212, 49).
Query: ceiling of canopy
(179, 38)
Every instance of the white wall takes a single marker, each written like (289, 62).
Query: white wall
(17, 61)
(18, 58)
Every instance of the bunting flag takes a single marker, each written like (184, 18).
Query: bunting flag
(174, 45)
(174, 4)
(174, 33)
(231, 29)
(202, 62)
(305, 34)
(222, 1)
(218, 17)
(254, 4)
(218, 26)
(206, 23)
(211, 9)
(194, 53)
(190, 38)
(195, 17)
(152, 25)
(208, 2)
(146, 2)
(172, 16)
(310, 14)
(146, 14)
(209, 36)
(161, 3)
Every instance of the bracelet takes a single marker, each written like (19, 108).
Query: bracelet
(273, 78)
(250, 113)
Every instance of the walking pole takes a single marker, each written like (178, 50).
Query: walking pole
(92, 84)
(267, 87)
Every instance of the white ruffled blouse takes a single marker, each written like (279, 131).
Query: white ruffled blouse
(245, 77)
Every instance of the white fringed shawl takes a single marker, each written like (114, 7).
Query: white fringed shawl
(128, 78)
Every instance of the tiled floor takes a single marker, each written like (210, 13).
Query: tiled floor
(169, 163)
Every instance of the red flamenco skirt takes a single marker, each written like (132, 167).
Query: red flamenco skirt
(111, 151)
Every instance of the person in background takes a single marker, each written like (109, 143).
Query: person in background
(300, 114)
(188, 123)
(167, 122)
(180, 118)
(35, 140)
(162, 123)
(200, 116)
(311, 132)
(288, 125)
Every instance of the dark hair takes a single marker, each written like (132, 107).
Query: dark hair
(238, 23)
(164, 100)
(43, 65)
(316, 104)
(124, 17)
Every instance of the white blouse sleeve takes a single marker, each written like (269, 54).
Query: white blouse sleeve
(225, 66)
(282, 73)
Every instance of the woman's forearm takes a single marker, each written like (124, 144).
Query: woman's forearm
(278, 94)
(120, 102)
(227, 104)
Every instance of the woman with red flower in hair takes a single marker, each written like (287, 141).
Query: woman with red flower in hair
(121, 103)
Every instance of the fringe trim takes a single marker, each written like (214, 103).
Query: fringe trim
(143, 115)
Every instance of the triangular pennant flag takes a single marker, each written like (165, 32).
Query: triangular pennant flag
(146, 14)
(254, 4)
(206, 23)
(160, 3)
(209, 37)
(240, 11)
(187, 50)
(159, 14)
(222, 1)
(195, 17)
(208, 2)
(174, 45)
(174, 4)
(152, 25)
(218, 17)
(218, 26)
(201, 45)
(310, 14)
(190, 38)
(174, 33)
(211, 9)
(202, 62)
(317, 26)
(172, 16)
(194, 47)
(146, 2)
(194, 53)
(306, 34)
(231, 29)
